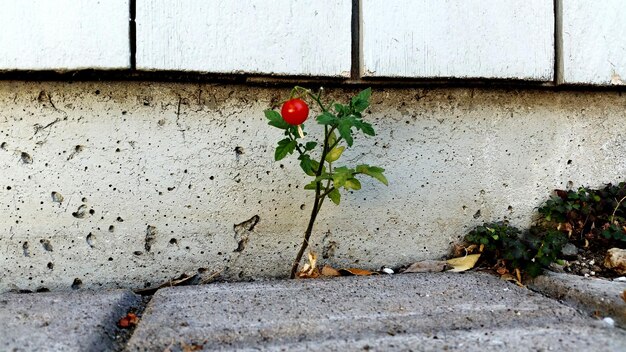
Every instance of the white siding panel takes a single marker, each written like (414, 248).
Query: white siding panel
(459, 38)
(594, 42)
(294, 37)
(64, 34)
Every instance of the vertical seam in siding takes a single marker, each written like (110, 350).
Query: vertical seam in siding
(132, 34)
(357, 57)
(558, 42)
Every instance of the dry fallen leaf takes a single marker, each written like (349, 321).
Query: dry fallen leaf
(309, 270)
(355, 271)
(463, 263)
(426, 266)
(624, 295)
(129, 320)
(509, 277)
(330, 271)
(502, 270)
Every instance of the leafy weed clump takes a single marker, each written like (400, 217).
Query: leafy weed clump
(588, 215)
(509, 250)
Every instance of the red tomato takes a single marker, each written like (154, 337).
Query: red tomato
(295, 111)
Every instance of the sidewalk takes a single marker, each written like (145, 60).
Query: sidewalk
(406, 312)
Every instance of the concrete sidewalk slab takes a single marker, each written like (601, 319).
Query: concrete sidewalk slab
(64, 321)
(432, 311)
(599, 297)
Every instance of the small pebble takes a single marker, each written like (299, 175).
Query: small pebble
(620, 279)
(592, 273)
(387, 271)
(592, 262)
(609, 321)
(586, 275)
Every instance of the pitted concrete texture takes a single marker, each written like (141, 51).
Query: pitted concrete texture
(436, 311)
(599, 297)
(139, 182)
(76, 321)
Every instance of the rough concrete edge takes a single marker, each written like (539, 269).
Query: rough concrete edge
(128, 301)
(577, 292)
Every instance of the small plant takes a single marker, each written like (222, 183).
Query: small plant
(340, 123)
(588, 214)
(510, 250)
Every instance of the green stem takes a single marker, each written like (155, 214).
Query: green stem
(317, 204)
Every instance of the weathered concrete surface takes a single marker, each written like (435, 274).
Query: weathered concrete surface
(131, 184)
(601, 298)
(77, 321)
(469, 312)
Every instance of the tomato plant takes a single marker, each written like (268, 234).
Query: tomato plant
(295, 111)
(318, 158)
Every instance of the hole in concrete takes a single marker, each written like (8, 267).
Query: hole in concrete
(46, 245)
(50, 265)
(80, 212)
(90, 238)
(78, 283)
(111, 228)
(26, 158)
(25, 249)
(173, 241)
(57, 197)
(137, 253)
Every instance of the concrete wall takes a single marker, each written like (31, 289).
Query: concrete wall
(132, 184)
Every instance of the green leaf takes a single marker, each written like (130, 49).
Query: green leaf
(341, 175)
(332, 138)
(307, 165)
(365, 127)
(310, 146)
(323, 176)
(285, 146)
(311, 186)
(335, 196)
(334, 154)
(341, 109)
(327, 119)
(362, 100)
(345, 130)
(373, 171)
(353, 183)
(276, 120)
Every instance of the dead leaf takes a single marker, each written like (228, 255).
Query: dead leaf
(129, 320)
(509, 277)
(309, 270)
(355, 271)
(330, 271)
(624, 295)
(502, 270)
(426, 266)
(463, 263)
(518, 274)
